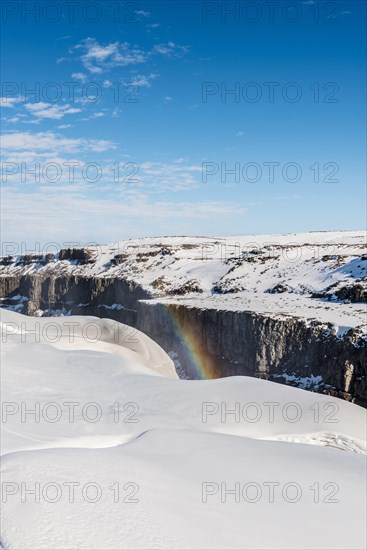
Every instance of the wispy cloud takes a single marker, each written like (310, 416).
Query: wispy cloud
(97, 58)
(12, 119)
(171, 49)
(130, 214)
(9, 102)
(172, 176)
(143, 81)
(49, 110)
(95, 115)
(152, 176)
(143, 13)
(79, 76)
(50, 141)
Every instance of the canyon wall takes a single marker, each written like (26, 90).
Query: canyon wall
(205, 342)
(224, 343)
(110, 297)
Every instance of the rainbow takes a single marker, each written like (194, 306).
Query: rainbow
(198, 362)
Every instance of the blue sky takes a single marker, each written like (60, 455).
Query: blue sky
(153, 160)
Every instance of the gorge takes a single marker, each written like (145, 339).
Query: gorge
(288, 308)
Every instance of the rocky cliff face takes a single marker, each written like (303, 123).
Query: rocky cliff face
(252, 311)
(49, 295)
(223, 343)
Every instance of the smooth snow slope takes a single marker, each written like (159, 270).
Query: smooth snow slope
(120, 454)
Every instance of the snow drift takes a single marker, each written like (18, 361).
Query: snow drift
(104, 447)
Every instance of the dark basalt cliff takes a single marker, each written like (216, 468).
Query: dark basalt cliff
(114, 298)
(203, 341)
(225, 343)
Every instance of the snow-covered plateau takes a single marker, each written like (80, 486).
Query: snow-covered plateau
(104, 447)
(290, 308)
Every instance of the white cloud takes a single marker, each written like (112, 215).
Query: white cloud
(50, 110)
(153, 177)
(72, 214)
(97, 58)
(170, 49)
(97, 114)
(174, 176)
(79, 76)
(49, 141)
(143, 13)
(143, 80)
(13, 119)
(9, 101)
(98, 145)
